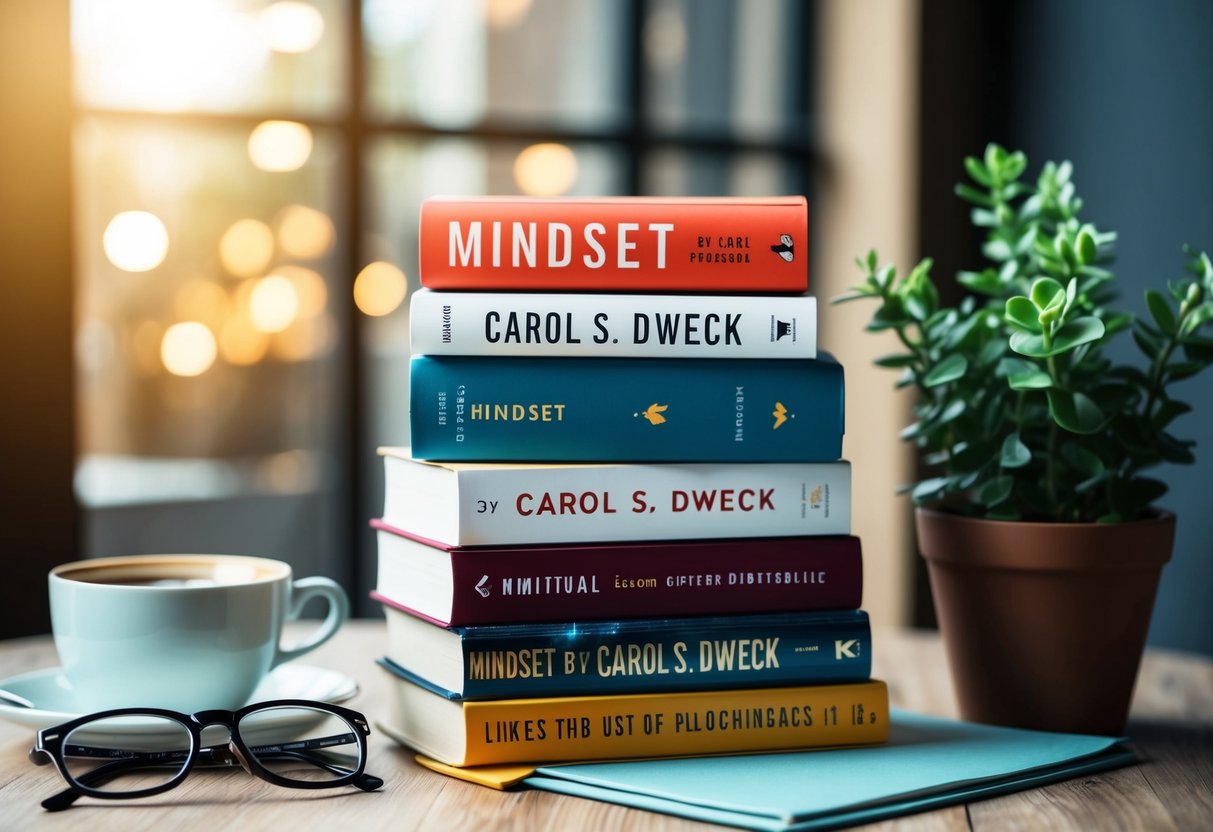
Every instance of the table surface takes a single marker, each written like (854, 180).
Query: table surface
(1172, 788)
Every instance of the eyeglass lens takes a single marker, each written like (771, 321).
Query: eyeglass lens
(123, 754)
(301, 744)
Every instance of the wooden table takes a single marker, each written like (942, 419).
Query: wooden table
(1172, 788)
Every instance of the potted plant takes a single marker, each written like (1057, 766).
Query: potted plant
(1038, 519)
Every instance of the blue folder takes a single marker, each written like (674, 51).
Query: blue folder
(927, 763)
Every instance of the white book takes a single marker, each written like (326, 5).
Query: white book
(471, 504)
(611, 325)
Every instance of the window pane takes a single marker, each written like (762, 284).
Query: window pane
(208, 337)
(222, 56)
(455, 63)
(702, 173)
(725, 67)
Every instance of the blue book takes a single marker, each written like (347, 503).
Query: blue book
(639, 655)
(516, 409)
(927, 763)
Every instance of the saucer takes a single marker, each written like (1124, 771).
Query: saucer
(51, 694)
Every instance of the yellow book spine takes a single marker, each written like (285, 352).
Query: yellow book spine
(675, 724)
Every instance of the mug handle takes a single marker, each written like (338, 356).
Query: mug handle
(303, 591)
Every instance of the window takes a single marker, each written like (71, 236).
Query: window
(247, 182)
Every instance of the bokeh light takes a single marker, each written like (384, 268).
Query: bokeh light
(304, 232)
(304, 340)
(291, 26)
(545, 170)
(241, 343)
(279, 146)
(188, 349)
(502, 14)
(246, 248)
(310, 287)
(273, 303)
(379, 288)
(135, 241)
(201, 300)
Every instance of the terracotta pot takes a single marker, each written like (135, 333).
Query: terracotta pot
(1044, 623)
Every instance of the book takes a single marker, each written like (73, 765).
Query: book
(612, 325)
(646, 244)
(457, 585)
(637, 655)
(927, 763)
(463, 733)
(526, 409)
(470, 504)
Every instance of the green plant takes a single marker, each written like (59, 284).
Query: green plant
(1020, 413)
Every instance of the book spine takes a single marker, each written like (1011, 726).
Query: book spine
(625, 409)
(605, 325)
(647, 580)
(647, 245)
(655, 655)
(672, 724)
(579, 504)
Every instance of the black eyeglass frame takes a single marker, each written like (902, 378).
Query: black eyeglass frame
(48, 748)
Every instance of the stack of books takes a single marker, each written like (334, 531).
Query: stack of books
(622, 528)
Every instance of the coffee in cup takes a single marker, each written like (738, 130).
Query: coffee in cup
(184, 632)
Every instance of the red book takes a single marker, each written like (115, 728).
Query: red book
(635, 244)
(458, 585)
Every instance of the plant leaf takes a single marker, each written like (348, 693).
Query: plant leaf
(895, 361)
(1033, 379)
(1074, 411)
(950, 369)
(1015, 453)
(1160, 311)
(1078, 331)
(929, 488)
(996, 490)
(1022, 312)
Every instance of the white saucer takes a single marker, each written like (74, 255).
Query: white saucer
(54, 702)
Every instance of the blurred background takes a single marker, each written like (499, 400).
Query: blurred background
(208, 217)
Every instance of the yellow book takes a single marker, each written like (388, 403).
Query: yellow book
(461, 733)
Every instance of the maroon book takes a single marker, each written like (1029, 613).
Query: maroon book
(457, 585)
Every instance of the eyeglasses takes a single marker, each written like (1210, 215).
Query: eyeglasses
(139, 752)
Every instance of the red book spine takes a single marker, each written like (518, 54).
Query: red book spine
(503, 585)
(645, 244)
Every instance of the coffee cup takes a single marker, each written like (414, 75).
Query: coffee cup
(184, 632)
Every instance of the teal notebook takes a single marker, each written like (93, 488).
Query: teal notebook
(928, 763)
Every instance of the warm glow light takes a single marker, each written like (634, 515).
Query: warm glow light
(246, 248)
(241, 343)
(201, 300)
(545, 170)
(305, 340)
(310, 288)
(188, 349)
(379, 288)
(304, 232)
(273, 303)
(135, 241)
(502, 14)
(149, 54)
(280, 145)
(290, 26)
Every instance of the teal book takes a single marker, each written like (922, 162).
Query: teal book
(633, 655)
(517, 409)
(927, 763)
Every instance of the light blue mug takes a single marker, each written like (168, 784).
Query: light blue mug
(185, 632)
